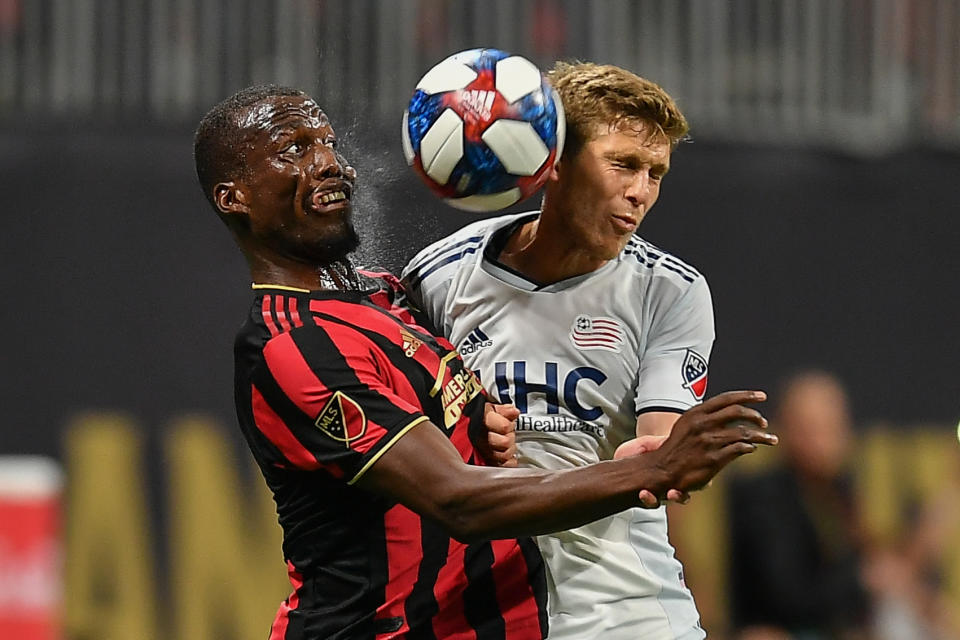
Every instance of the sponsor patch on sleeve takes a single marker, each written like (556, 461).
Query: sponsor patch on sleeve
(695, 374)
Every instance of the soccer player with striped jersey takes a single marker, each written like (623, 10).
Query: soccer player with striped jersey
(372, 434)
(599, 338)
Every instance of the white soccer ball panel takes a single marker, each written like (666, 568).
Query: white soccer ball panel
(486, 202)
(442, 146)
(516, 77)
(405, 139)
(517, 145)
(448, 75)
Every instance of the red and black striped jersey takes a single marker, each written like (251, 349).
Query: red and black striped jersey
(326, 382)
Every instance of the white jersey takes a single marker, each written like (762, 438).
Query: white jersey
(581, 359)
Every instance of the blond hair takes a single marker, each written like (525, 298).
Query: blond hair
(603, 95)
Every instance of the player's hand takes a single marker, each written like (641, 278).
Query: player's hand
(638, 445)
(643, 444)
(704, 440)
(500, 421)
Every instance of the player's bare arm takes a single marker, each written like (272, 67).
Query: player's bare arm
(656, 423)
(425, 472)
(653, 428)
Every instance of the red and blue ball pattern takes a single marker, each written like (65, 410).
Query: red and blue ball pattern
(480, 171)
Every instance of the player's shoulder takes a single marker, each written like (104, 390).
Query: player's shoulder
(299, 320)
(274, 315)
(462, 246)
(649, 262)
(475, 233)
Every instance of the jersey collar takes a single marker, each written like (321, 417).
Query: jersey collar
(492, 265)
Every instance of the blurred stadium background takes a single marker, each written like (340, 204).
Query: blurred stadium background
(819, 196)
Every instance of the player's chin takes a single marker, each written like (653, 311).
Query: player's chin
(332, 246)
(612, 249)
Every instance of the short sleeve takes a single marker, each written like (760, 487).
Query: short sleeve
(429, 296)
(329, 400)
(429, 275)
(674, 366)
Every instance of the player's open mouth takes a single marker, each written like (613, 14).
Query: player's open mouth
(325, 200)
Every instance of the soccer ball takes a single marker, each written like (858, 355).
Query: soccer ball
(483, 129)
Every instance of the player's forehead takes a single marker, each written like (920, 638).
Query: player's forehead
(632, 137)
(276, 114)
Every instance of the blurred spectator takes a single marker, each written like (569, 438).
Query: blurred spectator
(433, 31)
(796, 546)
(549, 29)
(911, 601)
(9, 16)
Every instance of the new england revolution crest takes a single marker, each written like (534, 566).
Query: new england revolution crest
(596, 333)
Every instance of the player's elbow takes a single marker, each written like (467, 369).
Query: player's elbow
(462, 524)
(462, 515)
(465, 530)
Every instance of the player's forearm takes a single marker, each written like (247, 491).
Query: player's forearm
(425, 473)
(501, 503)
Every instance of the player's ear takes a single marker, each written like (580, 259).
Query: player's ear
(230, 198)
(554, 174)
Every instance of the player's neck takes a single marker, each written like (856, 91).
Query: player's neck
(339, 275)
(546, 255)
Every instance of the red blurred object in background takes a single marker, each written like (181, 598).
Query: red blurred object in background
(30, 548)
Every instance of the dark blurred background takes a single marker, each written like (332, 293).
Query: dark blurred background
(819, 196)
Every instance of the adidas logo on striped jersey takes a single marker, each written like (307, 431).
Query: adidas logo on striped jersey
(475, 341)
